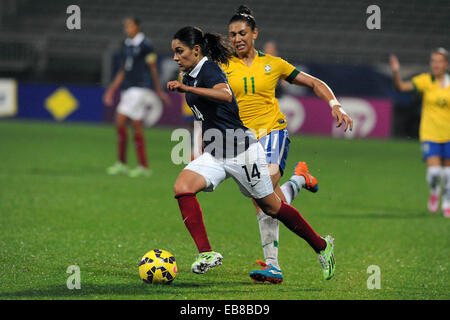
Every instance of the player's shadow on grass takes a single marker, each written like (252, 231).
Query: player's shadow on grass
(150, 292)
(392, 215)
(67, 171)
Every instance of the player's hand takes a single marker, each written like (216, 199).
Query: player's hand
(395, 64)
(176, 86)
(108, 98)
(342, 118)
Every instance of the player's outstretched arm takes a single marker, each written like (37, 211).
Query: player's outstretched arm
(220, 92)
(324, 92)
(398, 82)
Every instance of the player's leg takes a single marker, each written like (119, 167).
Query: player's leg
(139, 141)
(295, 222)
(120, 166)
(446, 180)
(432, 156)
(259, 186)
(203, 174)
(269, 232)
(276, 148)
(137, 103)
(301, 178)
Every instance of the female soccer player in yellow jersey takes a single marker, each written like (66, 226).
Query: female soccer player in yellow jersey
(253, 77)
(434, 131)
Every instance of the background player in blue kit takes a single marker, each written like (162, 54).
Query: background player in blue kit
(135, 78)
(209, 96)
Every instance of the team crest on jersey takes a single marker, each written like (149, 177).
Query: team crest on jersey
(267, 68)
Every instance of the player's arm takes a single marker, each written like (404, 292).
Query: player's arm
(398, 82)
(151, 61)
(324, 92)
(220, 92)
(108, 97)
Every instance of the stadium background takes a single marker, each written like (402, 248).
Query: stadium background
(327, 39)
(58, 207)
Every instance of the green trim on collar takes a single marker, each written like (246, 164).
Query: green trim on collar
(261, 54)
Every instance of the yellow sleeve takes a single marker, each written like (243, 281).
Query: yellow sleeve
(421, 82)
(287, 71)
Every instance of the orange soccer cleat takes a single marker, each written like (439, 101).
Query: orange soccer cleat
(301, 169)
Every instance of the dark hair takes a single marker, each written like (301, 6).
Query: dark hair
(243, 13)
(135, 20)
(212, 45)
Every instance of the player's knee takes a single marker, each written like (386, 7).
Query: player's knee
(268, 209)
(181, 187)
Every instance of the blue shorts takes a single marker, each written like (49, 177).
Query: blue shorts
(276, 147)
(433, 149)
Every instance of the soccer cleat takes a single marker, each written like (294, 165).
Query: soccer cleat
(117, 168)
(433, 203)
(267, 273)
(301, 169)
(206, 261)
(326, 258)
(140, 171)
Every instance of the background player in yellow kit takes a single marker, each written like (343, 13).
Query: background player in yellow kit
(253, 77)
(434, 132)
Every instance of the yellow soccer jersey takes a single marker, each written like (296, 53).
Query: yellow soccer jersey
(254, 89)
(435, 119)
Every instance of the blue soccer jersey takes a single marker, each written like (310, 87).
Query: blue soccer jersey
(216, 116)
(136, 54)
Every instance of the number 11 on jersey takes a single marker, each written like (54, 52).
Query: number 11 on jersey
(252, 79)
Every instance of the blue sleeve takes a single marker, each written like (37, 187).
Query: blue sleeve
(147, 47)
(213, 75)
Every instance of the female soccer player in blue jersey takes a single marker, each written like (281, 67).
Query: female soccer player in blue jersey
(137, 74)
(253, 77)
(230, 150)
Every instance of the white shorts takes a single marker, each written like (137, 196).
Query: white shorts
(249, 169)
(135, 100)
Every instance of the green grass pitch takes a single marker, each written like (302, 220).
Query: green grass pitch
(59, 208)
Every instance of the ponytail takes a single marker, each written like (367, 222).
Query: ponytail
(216, 49)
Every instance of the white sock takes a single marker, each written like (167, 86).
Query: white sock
(434, 174)
(269, 230)
(446, 185)
(292, 187)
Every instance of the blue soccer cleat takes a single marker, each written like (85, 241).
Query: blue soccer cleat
(267, 273)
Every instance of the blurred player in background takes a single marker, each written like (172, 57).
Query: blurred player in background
(253, 77)
(212, 101)
(137, 75)
(434, 132)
